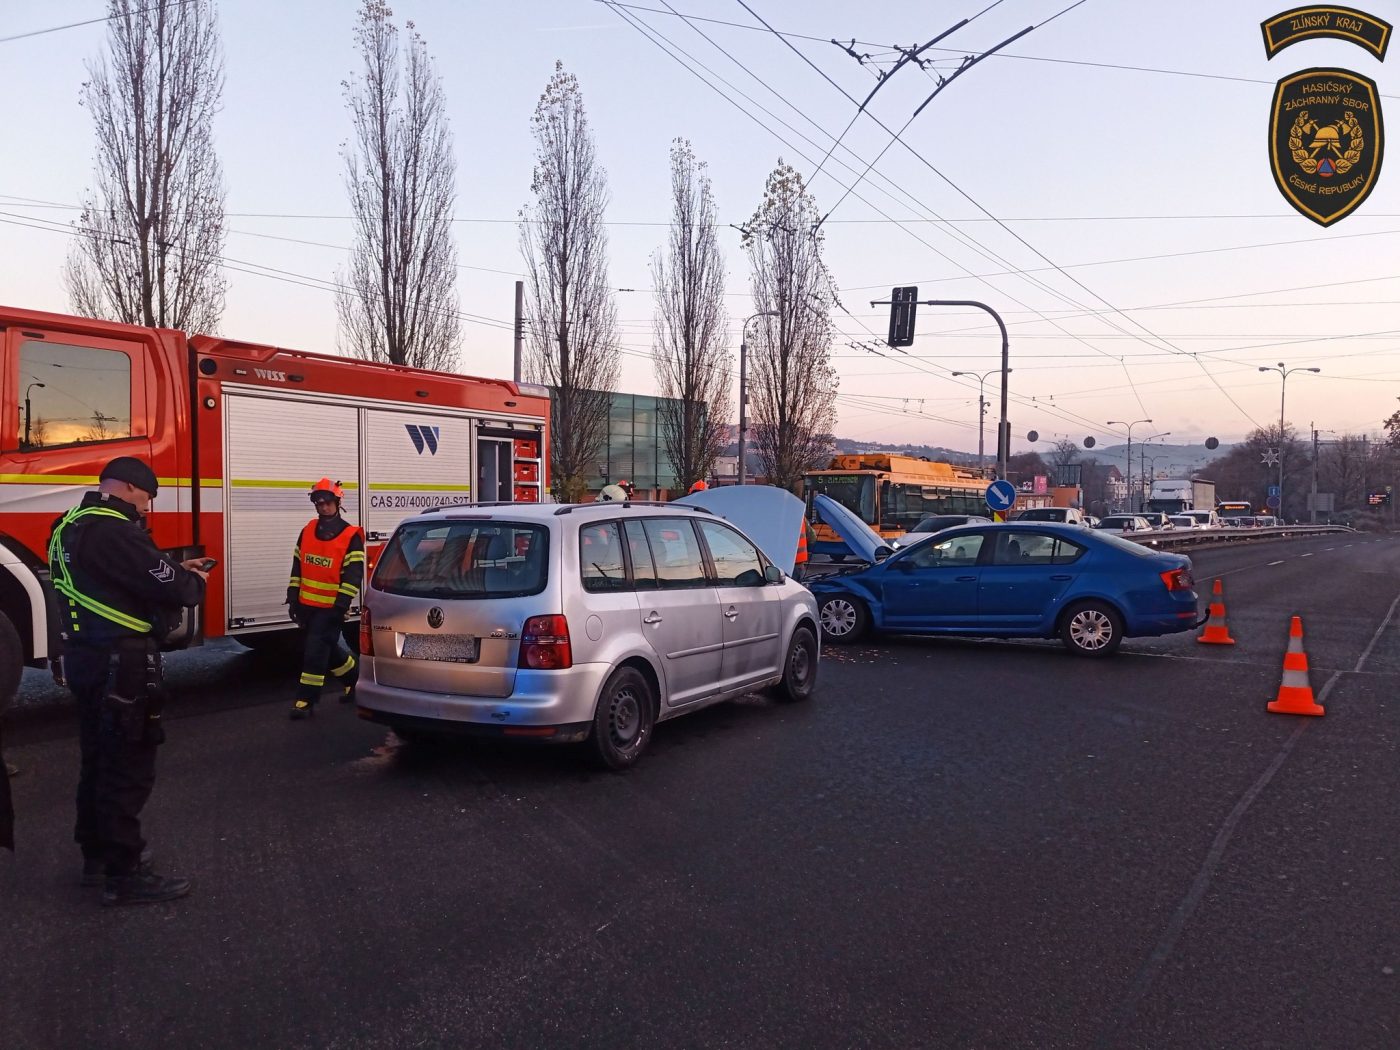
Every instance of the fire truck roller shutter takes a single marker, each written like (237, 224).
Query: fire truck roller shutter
(274, 449)
(414, 460)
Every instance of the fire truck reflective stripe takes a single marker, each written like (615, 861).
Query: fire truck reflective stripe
(282, 483)
(91, 479)
(393, 486)
(48, 495)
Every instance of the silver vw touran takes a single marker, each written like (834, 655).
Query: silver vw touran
(587, 622)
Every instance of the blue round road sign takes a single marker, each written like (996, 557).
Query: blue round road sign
(1272, 501)
(1001, 495)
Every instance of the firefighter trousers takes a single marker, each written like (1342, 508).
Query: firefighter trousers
(325, 653)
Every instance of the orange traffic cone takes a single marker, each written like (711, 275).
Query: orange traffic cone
(1295, 695)
(1217, 631)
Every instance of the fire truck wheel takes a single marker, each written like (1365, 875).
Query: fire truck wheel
(11, 661)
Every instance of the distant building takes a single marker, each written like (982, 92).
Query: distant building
(634, 449)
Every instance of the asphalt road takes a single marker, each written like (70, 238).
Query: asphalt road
(954, 844)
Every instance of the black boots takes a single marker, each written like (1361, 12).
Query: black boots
(143, 887)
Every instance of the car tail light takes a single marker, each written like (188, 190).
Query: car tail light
(1178, 579)
(544, 644)
(366, 634)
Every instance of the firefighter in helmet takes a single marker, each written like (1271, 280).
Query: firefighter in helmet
(328, 568)
(699, 486)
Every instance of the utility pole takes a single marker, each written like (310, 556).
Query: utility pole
(982, 411)
(1118, 423)
(519, 326)
(1313, 518)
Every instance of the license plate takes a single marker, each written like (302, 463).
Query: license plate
(444, 648)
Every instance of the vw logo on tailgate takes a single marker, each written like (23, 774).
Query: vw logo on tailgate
(435, 617)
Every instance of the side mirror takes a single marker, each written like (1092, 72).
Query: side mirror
(772, 574)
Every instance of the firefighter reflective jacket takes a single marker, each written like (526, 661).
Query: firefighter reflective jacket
(112, 580)
(328, 565)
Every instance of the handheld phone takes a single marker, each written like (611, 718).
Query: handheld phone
(207, 564)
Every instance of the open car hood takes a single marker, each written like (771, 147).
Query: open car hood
(771, 517)
(865, 543)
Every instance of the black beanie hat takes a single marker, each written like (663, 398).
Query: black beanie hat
(133, 471)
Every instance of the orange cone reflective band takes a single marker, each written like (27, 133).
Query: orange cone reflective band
(1295, 695)
(1217, 630)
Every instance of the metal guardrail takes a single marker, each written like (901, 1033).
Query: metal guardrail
(1171, 539)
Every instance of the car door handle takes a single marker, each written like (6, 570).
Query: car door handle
(731, 613)
(1062, 576)
(964, 579)
(651, 618)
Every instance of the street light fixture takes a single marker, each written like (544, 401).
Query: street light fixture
(982, 408)
(1145, 482)
(28, 410)
(744, 389)
(1117, 423)
(1282, 394)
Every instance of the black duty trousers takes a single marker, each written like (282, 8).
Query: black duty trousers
(325, 653)
(117, 775)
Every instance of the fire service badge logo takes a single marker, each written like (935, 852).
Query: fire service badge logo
(1326, 140)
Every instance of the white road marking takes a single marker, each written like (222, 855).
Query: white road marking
(1201, 883)
(1308, 555)
(1275, 563)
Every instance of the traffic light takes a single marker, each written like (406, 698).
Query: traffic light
(903, 305)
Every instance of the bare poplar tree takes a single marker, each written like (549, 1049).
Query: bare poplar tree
(398, 302)
(151, 234)
(570, 310)
(692, 365)
(792, 383)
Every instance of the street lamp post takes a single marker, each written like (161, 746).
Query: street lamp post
(1283, 393)
(744, 389)
(28, 410)
(982, 409)
(1117, 423)
(1144, 481)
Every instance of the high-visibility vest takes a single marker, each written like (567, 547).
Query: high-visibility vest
(321, 563)
(802, 545)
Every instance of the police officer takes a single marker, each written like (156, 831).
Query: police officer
(328, 567)
(119, 594)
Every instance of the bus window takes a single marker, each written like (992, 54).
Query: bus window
(855, 492)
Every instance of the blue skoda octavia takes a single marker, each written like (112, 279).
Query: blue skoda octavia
(1031, 580)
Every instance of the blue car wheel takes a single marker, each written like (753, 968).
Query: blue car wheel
(843, 619)
(1091, 629)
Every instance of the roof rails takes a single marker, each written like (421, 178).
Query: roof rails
(489, 503)
(569, 508)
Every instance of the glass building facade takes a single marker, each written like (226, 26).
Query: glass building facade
(633, 449)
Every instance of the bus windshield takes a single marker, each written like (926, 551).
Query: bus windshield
(855, 492)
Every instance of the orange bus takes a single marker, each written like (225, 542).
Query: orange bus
(891, 494)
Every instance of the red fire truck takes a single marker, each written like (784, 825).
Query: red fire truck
(237, 432)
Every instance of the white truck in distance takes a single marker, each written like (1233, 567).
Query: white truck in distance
(1182, 496)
